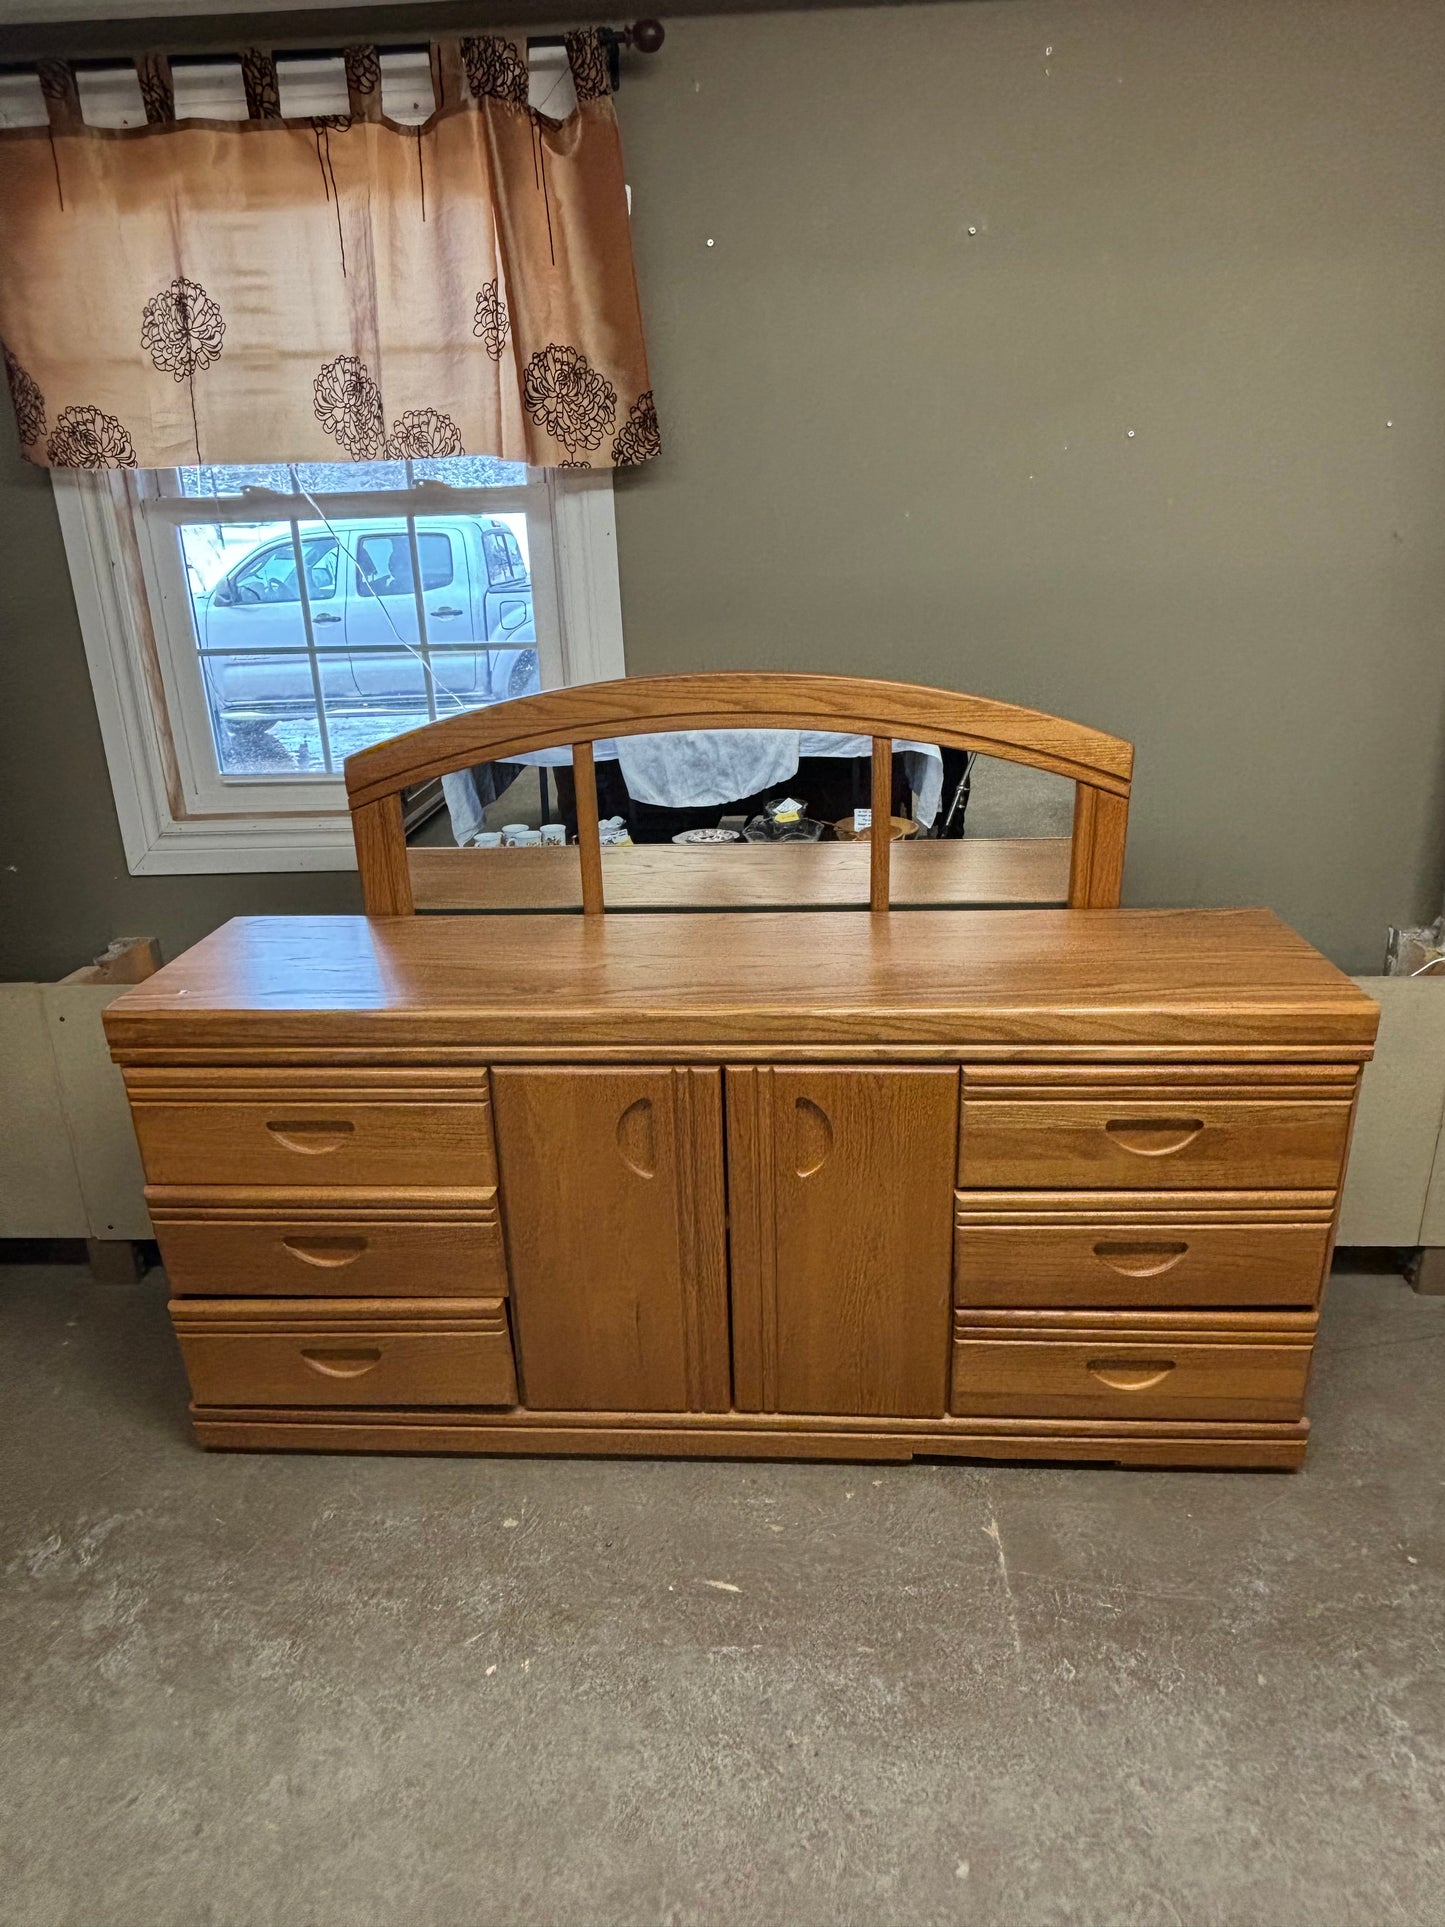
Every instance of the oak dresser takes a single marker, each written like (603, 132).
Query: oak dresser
(1052, 1183)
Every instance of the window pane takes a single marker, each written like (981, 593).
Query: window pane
(383, 563)
(249, 623)
(352, 727)
(523, 669)
(392, 685)
(241, 578)
(350, 478)
(436, 560)
(499, 549)
(201, 482)
(263, 715)
(470, 471)
(269, 574)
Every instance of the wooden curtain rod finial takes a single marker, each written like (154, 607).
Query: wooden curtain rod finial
(644, 36)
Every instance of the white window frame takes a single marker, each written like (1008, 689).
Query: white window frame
(167, 820)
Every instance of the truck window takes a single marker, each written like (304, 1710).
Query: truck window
(383, 563)
(271, 575)
(504, 558)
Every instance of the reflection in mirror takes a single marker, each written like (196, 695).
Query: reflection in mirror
(754, 819)
(1012, 800)
(706, 787)
(724, 787)
(424, 814)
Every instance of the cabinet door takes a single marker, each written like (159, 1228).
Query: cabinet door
(841, 1206)
(612, 1204)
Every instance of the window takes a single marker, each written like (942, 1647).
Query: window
(250, 628)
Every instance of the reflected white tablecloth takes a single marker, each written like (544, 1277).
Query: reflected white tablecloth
(680, 778)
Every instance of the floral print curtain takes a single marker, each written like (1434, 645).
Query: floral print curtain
(344, 288)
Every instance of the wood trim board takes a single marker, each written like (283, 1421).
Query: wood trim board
(1263, 1446)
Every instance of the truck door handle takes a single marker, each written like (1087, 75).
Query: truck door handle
(315, 618)
(446, 610)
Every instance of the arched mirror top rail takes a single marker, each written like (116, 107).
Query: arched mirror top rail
(741, 699)
(1099, 765)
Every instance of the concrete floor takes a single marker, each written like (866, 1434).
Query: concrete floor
(303, 1692)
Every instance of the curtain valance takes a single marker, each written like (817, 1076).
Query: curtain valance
(342, 288)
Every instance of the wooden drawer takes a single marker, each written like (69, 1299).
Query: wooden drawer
(1150, 1260)
(362, 1352)
(316, 1140)
(1131, 1365)
(1143, 1143)
(346, 1254)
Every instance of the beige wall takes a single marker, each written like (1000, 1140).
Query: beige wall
(896, 447)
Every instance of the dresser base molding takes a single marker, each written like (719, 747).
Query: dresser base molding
(1183, 1444)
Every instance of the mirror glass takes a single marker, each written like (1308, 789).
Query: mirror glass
(762, 786)
(1011, 800)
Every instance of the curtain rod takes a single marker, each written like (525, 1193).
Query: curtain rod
(645, 36)
(642, 36)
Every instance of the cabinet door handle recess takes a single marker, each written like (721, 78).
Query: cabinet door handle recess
(637, 1138)
(1154, 1137)
(328, 1252)
(1130, 1374)
(338, 1362)
(312, 1139)
(1140, 1260)
(815, 1137)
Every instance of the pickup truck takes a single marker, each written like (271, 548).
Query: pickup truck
(360, 588)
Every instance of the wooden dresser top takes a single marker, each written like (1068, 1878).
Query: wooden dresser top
(1194, 982)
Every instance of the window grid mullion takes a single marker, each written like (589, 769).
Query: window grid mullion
(277, 653)
(311, 657)
(423, 639)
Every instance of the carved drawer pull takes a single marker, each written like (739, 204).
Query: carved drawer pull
(311, 1138)
(1140, 1260)
(1130, 1374)
(1154, 1137)
(329, 1252)
(337, 1362)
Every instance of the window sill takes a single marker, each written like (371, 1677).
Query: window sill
(202, 846)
